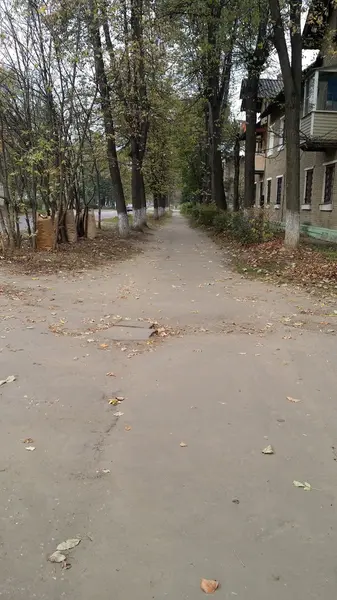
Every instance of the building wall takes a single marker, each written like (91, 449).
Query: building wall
(275, 166)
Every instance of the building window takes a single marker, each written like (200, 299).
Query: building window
(309, 95)
(268, 190)
(309, 175)
(328, 183)
(280, 133)
(259, 146)
(270, 143)
(261, 193)
(279, 182)
(327, 91)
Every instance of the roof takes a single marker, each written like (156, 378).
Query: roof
(279, 99)
(268, 89)
(316, 23)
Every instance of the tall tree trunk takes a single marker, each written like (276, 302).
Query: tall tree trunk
(250, 146)
(155, 207)
(136, 185)
(217, 182)
(292, 78)
(104, 91)
(256, 62)
(236, 198)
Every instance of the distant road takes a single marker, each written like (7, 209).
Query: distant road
(106, 214)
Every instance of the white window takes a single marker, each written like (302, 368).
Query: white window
(268, 190)
(308, 181)
(279, 190)
(328, 186)
(309, 95)
(271, 136)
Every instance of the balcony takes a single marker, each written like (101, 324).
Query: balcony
(260, 162)
(319, 130)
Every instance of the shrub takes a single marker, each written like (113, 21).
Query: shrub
(186, 208)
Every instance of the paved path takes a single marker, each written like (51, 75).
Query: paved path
(155, 517)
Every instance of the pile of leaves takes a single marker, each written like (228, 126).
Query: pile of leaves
(86, 254)
(307, 265)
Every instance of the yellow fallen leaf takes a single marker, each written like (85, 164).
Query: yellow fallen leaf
(104, 346)
(293, 399)
(209, 586)
(268, 450)
(113, 401)
(127, 428)
(306, 486)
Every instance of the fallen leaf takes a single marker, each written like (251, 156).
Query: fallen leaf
(293, 399)
(104, 346)
(9, 379)
(68, 544)
(268, 450)
(306, 486)
(66, 565)
(118, 414)
(298, 484)
(209, 586)
(113, 401)
(120, 398)
(57, 557)
(28, 441)
(183, 445)
(30, 448)
(110, 374)
(127, 428)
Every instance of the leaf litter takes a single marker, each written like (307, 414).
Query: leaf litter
(305, 486)
(290, 399)
(9, 379)
(268, 450)
(68, 545)
(183, 445)
(60, 556)
(209, 586)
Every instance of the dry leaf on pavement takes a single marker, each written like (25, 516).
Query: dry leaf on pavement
(28, 441)
(268, 450)
(306, 486)
(30, 448)
(9, 379)
(183, 445)
(68, 544)
(127, 428)
(209, 586)
(110, 374)
(104, 346)
(113, 401)
(293, 399)
(57, 557)
(120, 398)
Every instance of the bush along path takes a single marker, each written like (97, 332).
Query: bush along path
(257, 249)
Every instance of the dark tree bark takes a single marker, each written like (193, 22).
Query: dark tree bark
(105, 99)
(256, 63)
(291, 68)
(236, 198)
(218, 70)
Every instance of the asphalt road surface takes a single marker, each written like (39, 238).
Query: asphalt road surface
(171, 485)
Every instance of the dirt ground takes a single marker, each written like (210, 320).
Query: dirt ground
(155, 516)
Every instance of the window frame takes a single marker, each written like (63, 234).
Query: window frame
(307, 205)
(328, 206)
(269, 184)
(279, 204)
